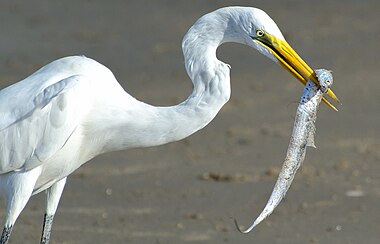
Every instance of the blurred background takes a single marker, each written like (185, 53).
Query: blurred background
(190, 191)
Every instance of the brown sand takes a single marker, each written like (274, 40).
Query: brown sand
(187, 192)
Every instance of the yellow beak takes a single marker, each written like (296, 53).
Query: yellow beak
(292, 62)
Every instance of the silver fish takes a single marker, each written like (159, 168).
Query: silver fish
(302, 137)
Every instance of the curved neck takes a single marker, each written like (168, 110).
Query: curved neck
(210, 78)
(147, 125)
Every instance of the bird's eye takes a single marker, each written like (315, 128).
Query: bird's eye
(260, 33)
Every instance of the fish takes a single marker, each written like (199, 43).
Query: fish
(302, 137)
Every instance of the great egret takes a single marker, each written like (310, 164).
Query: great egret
(73, 109)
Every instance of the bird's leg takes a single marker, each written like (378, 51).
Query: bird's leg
(53, 195)
(6, 234)
(19, 186)
(46, 230)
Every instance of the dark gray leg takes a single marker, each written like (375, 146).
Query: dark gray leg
(46, 229)
(52, 199)
(6, 234)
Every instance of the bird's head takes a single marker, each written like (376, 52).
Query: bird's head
(259, 31)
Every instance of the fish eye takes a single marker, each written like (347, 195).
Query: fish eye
(260, 33)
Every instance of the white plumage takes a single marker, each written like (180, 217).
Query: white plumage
(73, 109)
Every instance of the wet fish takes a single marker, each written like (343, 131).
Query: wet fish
(301, 138)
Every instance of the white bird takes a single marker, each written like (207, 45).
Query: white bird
(73, 109)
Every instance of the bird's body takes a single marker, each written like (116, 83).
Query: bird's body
(57, 146)
(73, 109)
(86, 113)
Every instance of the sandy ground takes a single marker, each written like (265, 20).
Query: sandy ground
(189, 191)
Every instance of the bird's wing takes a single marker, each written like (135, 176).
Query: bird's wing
(38, 124)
